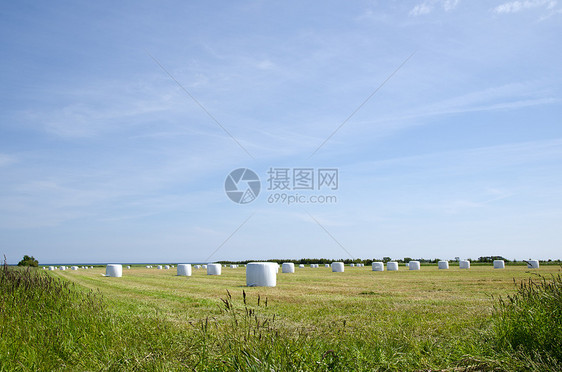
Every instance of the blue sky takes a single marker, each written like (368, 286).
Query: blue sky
(105, 158)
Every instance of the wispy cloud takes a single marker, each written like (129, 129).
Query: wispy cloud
(96, 108)
(427, 6)
(466, 161)
(421, 9)
(6, 159)
(518, 6)
(450, 4)
(507, 97)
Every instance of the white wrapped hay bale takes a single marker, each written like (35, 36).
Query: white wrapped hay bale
(338, 267)
(63, 268)
(167, 267)
(464, 264)
(378, 266)
(128, 267)
(351, 265)
(159, 267)
(214, 269)
(51, 268)
(114, 270)
(91, 267)
(326, 265)
(532, 264)
(233, 266)
(288, 268)
(499, 264)
(74, 268)
(204, 266)
(197, 266)
(392, 266)
(301, 266)
(261, 274)
(184, 269)
(443, 265)
(148, 266)
(414, 265)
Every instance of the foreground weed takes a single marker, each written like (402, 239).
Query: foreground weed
(529, 323)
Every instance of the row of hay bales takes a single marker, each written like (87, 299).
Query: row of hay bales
(52, 268)
(264, 274)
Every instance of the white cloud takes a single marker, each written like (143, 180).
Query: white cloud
(421, 9)
(517, 6)
(427, 6)
(449, 5)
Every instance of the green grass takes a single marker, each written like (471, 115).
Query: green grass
(313, 320)
(530, 322)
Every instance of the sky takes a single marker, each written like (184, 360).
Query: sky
(121, 122)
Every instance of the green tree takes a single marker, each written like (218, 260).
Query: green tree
(28, 261)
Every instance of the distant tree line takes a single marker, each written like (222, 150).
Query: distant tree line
(369, 261)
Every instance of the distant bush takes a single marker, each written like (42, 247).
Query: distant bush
(491, 258)
(28, 261)
(529, 323)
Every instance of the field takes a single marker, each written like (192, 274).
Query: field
(431, 300)
(313, 320)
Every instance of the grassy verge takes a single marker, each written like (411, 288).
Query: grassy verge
(528, 324)
(47, 324)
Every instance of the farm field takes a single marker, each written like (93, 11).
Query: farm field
(314, 319)
(415, 313)
(432, 300)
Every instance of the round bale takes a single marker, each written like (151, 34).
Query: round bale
(414, 265)
(288, 268)
(261, 274)
(499, 264)
(214, 269)
(533, 264)
(184, 269)
(338, 267)
(114, 270)
(392, 266)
